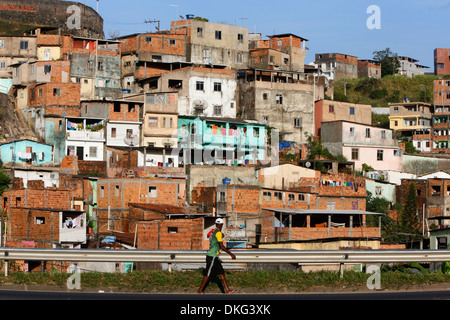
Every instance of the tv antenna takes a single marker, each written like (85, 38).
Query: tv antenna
(154, 21)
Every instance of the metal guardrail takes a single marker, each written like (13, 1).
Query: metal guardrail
(242, 256)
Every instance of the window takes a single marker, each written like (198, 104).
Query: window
(352, 131)
(442, 243)
(152, 122)
(2, 65)
(301, 197)
(398, 153)
(23, 45)
(378, 191)
(383, 134)
(222, 196)
(352, 110)
(2, 44)
(291, 197)
(47, 69)
(171, 42)
(93, 152)
(56, 92)
(116, 107)
(355, 154)
(91, 64)
(200, 32)
(217, 110)
(116, 190)
(39, 220)
(331, 108)
(218, 35)
(129, 133)
(200, 85)
(217, 86)
(395, 123)
(368, 133)
(152, 192)
(264, 96)
(395, 109)
(239, 57)
(298, 122)
(267, 196)
(278, 196)
(240, 37)
(148, 40)
(172, 229)
(102, 191)
(100, 65)
(279, 99)
(379, 155)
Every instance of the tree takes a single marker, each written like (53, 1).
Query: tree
(5, 181)
(409, 220)
(389, 61)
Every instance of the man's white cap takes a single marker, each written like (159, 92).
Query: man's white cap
(219, 221)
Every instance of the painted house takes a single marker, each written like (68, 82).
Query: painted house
(85, 138)
(220, 140)
(26, 152)
(361, 143)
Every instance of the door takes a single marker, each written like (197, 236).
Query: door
(80, 153)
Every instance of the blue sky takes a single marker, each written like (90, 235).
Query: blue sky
(411, 28)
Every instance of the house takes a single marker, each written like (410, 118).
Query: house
(85, 138)
(280, 52)
(280, 99)
(214, 44)
(115, 194)
(168, 227)
(304, 229)
(220, 140)
(15, 50)
(328, 110)
(146, 55)
(26, 152)
(42, 215)
(441, 61)
(410, 67)
(159, 132)
(122, 127)
(369, 69)
(363, 144)
(336, 66)
(209, 92)
(441, 117)
(95, 66)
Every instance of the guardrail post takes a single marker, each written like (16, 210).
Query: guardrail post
(6, 268)
(341, 270)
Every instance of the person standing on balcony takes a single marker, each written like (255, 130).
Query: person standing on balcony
(213, 262)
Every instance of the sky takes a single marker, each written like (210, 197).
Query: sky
(412, 28)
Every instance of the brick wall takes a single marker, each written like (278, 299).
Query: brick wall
(173, 234)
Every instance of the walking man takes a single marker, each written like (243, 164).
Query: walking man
(213, 262)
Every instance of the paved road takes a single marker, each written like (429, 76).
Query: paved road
(48, 295)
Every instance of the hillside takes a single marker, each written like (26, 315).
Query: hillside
(381, 92)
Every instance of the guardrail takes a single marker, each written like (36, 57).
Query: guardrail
(242, 256)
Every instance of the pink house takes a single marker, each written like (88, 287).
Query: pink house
(362, 143)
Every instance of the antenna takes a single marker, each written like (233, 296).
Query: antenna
(154, 21)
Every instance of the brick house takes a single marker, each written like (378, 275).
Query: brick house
(115, 194)
(42, 215)
(168, 227)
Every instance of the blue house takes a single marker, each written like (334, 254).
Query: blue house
(26, 152)
(221, 140)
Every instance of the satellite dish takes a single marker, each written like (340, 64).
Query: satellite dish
(308, 164)
(200, 104)
(132, 140)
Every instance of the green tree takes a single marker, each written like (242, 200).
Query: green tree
(389, 61)
(409, 221)
(5, 181)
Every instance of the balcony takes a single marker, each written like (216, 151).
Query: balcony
(85, 135)
(72, 228)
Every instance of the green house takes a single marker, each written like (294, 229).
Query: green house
(220, 140)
